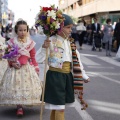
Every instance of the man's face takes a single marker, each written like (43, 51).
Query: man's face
(95, 20)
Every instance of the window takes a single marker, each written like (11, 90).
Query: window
(79, 2)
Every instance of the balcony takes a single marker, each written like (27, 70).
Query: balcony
(95, 6)
(63, 4)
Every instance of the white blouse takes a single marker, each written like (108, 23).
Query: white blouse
(67, 55)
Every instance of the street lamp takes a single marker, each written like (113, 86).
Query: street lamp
(62, 1)
(4, 18)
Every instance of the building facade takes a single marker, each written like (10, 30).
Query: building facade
(4, 12)
(102, 9)
(11, 16)
(0, 11)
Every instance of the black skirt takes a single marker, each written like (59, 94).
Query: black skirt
(59, 88)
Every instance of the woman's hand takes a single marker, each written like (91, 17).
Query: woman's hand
(16, 65)
(46, 43)
(86, 81)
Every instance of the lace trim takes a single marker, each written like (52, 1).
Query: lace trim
(24, 48)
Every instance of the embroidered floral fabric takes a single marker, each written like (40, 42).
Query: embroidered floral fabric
(3, 67)
(20, 86)
(56, 53)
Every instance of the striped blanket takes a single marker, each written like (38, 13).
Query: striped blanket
(77, 75)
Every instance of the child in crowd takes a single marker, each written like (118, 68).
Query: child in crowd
(20, 84)
(59, 78)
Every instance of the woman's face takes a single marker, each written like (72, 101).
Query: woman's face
(67, 30)
(22, 31)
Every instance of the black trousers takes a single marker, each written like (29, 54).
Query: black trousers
(118, 43)
(81, 38)
(74, 36)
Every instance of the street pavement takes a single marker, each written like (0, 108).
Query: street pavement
(102, 93)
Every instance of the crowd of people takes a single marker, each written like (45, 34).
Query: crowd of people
(99, 36)
(6, 32)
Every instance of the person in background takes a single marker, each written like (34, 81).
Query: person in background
(32, 31)
(108, 35)
(3, 32)
(9, 27)
(8, 34)
(95, 26)
(74, 32)
(81, 31)
(84, 21)
(96, 33)
(89, 32)
(117, 33)
(114, 24)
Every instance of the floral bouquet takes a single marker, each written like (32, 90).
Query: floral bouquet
(11, 54)
(51, 20)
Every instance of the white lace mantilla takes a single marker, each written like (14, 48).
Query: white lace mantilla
(24, 48)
